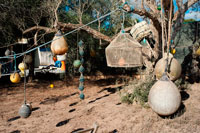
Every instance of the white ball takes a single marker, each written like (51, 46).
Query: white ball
(164, 98)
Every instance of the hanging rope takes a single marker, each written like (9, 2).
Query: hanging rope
(25, 86)
(169, 36)
(163, 38)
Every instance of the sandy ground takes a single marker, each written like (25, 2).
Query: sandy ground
(60, 110)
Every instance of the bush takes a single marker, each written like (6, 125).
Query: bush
(138, 90)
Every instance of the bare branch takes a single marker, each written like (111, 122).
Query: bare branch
(56, 15)
(46, 29)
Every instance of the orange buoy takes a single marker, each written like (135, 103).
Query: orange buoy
(63, 67)
(15, 78)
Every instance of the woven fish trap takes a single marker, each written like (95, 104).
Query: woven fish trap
(124, 51)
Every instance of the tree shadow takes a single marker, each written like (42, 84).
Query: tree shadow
(99, 98)
(114, 131)
(76, 130)
(62, 123)
(13, 119)
(72, 110)
(15, 131)
(56, 99)
(73, 104)
(34, 109)
(110, 89)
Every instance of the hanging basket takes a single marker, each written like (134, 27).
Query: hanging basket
(59, 46)
(140, 30)
(124, 51)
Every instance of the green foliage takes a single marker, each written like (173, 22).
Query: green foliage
(138, 90)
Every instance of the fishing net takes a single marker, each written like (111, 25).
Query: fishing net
(124, 51)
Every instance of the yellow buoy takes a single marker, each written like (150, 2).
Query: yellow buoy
(173, 51)
(15, 78)
(198, 51)
(51, 85)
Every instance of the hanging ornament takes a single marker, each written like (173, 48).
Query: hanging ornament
(174, 67)
(7, 52)
(81, 79)
(25, 111)
(198, 51)
(81, 70)
(59, 45)
(164, 97)
(173, 51)
(159, 7)
(82, 96)
(22, 66)
(81, 52)
(77, 63)
(15, 77)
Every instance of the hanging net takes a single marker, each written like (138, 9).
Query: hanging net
(124, 51)
(140, 30)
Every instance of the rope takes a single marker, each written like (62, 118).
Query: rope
(25, 86)
(169, 37)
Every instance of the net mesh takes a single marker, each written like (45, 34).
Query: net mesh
(124, 51)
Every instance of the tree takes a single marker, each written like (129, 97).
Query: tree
(148, 8)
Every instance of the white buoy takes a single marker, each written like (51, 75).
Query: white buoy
(164, 97)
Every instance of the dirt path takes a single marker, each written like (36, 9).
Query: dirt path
(59, 110)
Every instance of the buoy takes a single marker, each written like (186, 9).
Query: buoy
(198, 51)
(22, 66)
(159, 7)
(15, 78)
(164, 97)
(51, 85)
(77, 63)
(174, 68)
(81, 52)
(81, 87)
(82, 96)
(81, 69)
(59, 46)
(7, 52)
(25, 111)
(173, 51)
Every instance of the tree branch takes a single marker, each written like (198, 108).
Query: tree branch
(56, 15)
